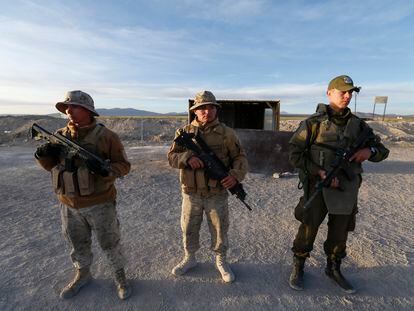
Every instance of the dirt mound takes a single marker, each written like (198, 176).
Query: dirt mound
(400, 133)
(289, 125)
(15, 129)
(148, 130)
(397, 132)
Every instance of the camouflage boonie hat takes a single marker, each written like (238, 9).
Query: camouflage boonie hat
(204, 98)
(77, 98)
(343, 83)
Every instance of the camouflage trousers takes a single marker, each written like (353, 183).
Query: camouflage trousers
(77, 227)
(215, 207)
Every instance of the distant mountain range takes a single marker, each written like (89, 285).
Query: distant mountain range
(131, 112)
(127, 112)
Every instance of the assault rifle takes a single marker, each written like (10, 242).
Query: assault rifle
(341, 162)
(214, 167)
(71, 148)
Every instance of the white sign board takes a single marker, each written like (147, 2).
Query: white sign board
(381, 99)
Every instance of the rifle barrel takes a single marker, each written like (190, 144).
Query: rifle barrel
(81, 152)
(214, 167)
(247, 205)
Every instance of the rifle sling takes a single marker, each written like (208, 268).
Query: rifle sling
(326, 146)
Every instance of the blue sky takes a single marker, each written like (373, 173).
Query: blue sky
(154, 55)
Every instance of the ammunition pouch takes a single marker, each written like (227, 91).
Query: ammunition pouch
(69, 183)
(56, 179)
(85, 181)
(299, 212)
(187, 178)
(80, 182)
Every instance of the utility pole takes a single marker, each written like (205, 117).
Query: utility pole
(355, 99)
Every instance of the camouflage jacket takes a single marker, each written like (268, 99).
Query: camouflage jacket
(223, 142)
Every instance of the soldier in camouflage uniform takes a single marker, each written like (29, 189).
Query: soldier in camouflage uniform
(86, 191)
(201, 194)
(312, 149)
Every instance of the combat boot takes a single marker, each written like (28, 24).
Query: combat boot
(296, 277)
(189, 261)
(224, 268)
(123, 288)
(333, 270)
(82, 277)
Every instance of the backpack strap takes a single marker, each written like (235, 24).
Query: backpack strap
(312, 131)
(94, 135)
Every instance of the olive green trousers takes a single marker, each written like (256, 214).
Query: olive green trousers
(338, 228)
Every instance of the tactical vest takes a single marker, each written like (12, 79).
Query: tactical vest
(330, 138)
(197, 180)
(71, 177)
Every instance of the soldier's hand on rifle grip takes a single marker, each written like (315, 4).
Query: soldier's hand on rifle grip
(361, 155)
(48, 150)
(94, 166)
(229, 182)
(195, 163)
(334, 182)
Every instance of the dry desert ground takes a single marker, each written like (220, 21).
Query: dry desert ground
(34, 257)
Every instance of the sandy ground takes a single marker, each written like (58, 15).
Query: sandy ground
(35, 265)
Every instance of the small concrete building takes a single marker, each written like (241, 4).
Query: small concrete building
(257, 125)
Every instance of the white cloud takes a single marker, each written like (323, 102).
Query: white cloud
(300, 98)
(304, 97)
(36, 51)
(47, 53)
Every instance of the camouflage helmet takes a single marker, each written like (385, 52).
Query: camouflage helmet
(77, 98)
(343, 83)
(204, 98)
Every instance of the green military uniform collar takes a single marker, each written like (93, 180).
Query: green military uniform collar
(338, 118)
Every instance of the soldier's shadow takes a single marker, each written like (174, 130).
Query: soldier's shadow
(272, 280)
(262, 284)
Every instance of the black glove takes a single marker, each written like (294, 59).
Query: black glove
(48, 150)
(95, 167)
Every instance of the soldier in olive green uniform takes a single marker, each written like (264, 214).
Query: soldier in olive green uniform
(204, 195)
(87, 192)
(312, 149)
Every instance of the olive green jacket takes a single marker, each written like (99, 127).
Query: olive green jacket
(223, 142)
(313, 145)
